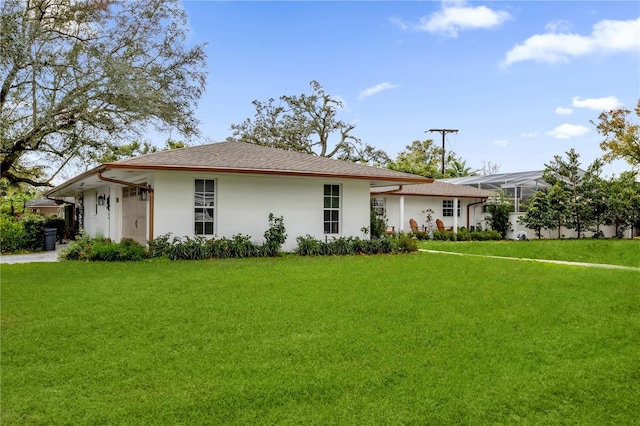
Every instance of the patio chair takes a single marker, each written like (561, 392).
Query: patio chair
(440, 225)
(413, 225)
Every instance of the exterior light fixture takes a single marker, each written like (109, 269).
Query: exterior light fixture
(143, 194)
(101, 199)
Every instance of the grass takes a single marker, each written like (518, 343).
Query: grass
(612, 252)
(406, 339)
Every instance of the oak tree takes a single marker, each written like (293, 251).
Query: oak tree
(621, 135)
(77, 77)
(421, 158)
(307, 123)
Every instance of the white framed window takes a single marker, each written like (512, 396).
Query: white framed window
(379, 207)
(447, 208)
(331, 209)
(204, 206)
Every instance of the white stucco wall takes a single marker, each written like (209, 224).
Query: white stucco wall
(243, 204)
(414, 206)
(97, 218)
(608, 231)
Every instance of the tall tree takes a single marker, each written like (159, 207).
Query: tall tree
(623, 202)
(421, 158)
(594, 193)
(499, 207)
(306, 123)
(621, 135)
(538, 213)
(558, 206)
(567, 175)
(134, 149)
(77, 77)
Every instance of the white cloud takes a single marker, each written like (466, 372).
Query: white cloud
(598, 104)
(501, 142)
(530, 135)
(568, 131)
(564, 111)
(399, 23)
(457, 16)
(376, 89)
(607, 37)
(559, 26)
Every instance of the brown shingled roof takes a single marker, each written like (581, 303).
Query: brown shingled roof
(240, 157)
(435, 189)
(233, 157)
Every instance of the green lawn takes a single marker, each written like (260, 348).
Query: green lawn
(613, 252)
(399, 339)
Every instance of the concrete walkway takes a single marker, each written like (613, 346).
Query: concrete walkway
(559, 262)
(43, 256)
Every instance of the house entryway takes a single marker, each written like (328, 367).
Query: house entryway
(134, 214)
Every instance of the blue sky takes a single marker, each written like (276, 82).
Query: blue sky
(520, 80)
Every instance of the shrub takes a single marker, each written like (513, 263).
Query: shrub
(12, 234)
(488, 235)
(274, 237)
(309, 246)
(188, 249)
(160, 246)
(444, 236)
(103, 249)
(341, 246)
(77, 248)
(238, 246)
(405, 243)
(420, 235)
(130, 249)
(463, 234)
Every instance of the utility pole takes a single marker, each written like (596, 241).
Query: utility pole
(444, 132)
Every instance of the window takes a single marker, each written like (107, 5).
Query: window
(332, 209)
(378, 205)
(204, 206)
(447, 208)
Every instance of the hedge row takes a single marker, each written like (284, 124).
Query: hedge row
(463, 235)
(238, 246)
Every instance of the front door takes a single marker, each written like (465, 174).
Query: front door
(134, 215)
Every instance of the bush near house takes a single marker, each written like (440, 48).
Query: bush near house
(103, 249)
(238, 246)
(463, 234)
(25, 232)
(309, 246)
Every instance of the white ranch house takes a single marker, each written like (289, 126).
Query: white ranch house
(224, 189)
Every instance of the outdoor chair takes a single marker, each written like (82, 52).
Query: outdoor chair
(413, 225)
(440, 225)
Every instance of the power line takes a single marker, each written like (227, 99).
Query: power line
(444, 132)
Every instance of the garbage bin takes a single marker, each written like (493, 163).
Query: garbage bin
(50, 238)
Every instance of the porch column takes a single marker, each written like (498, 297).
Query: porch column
(455, 215)
(401, 214)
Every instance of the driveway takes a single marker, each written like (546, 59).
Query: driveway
(43, 256)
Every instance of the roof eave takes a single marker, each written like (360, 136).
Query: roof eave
(76, 179)
(300, 173)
